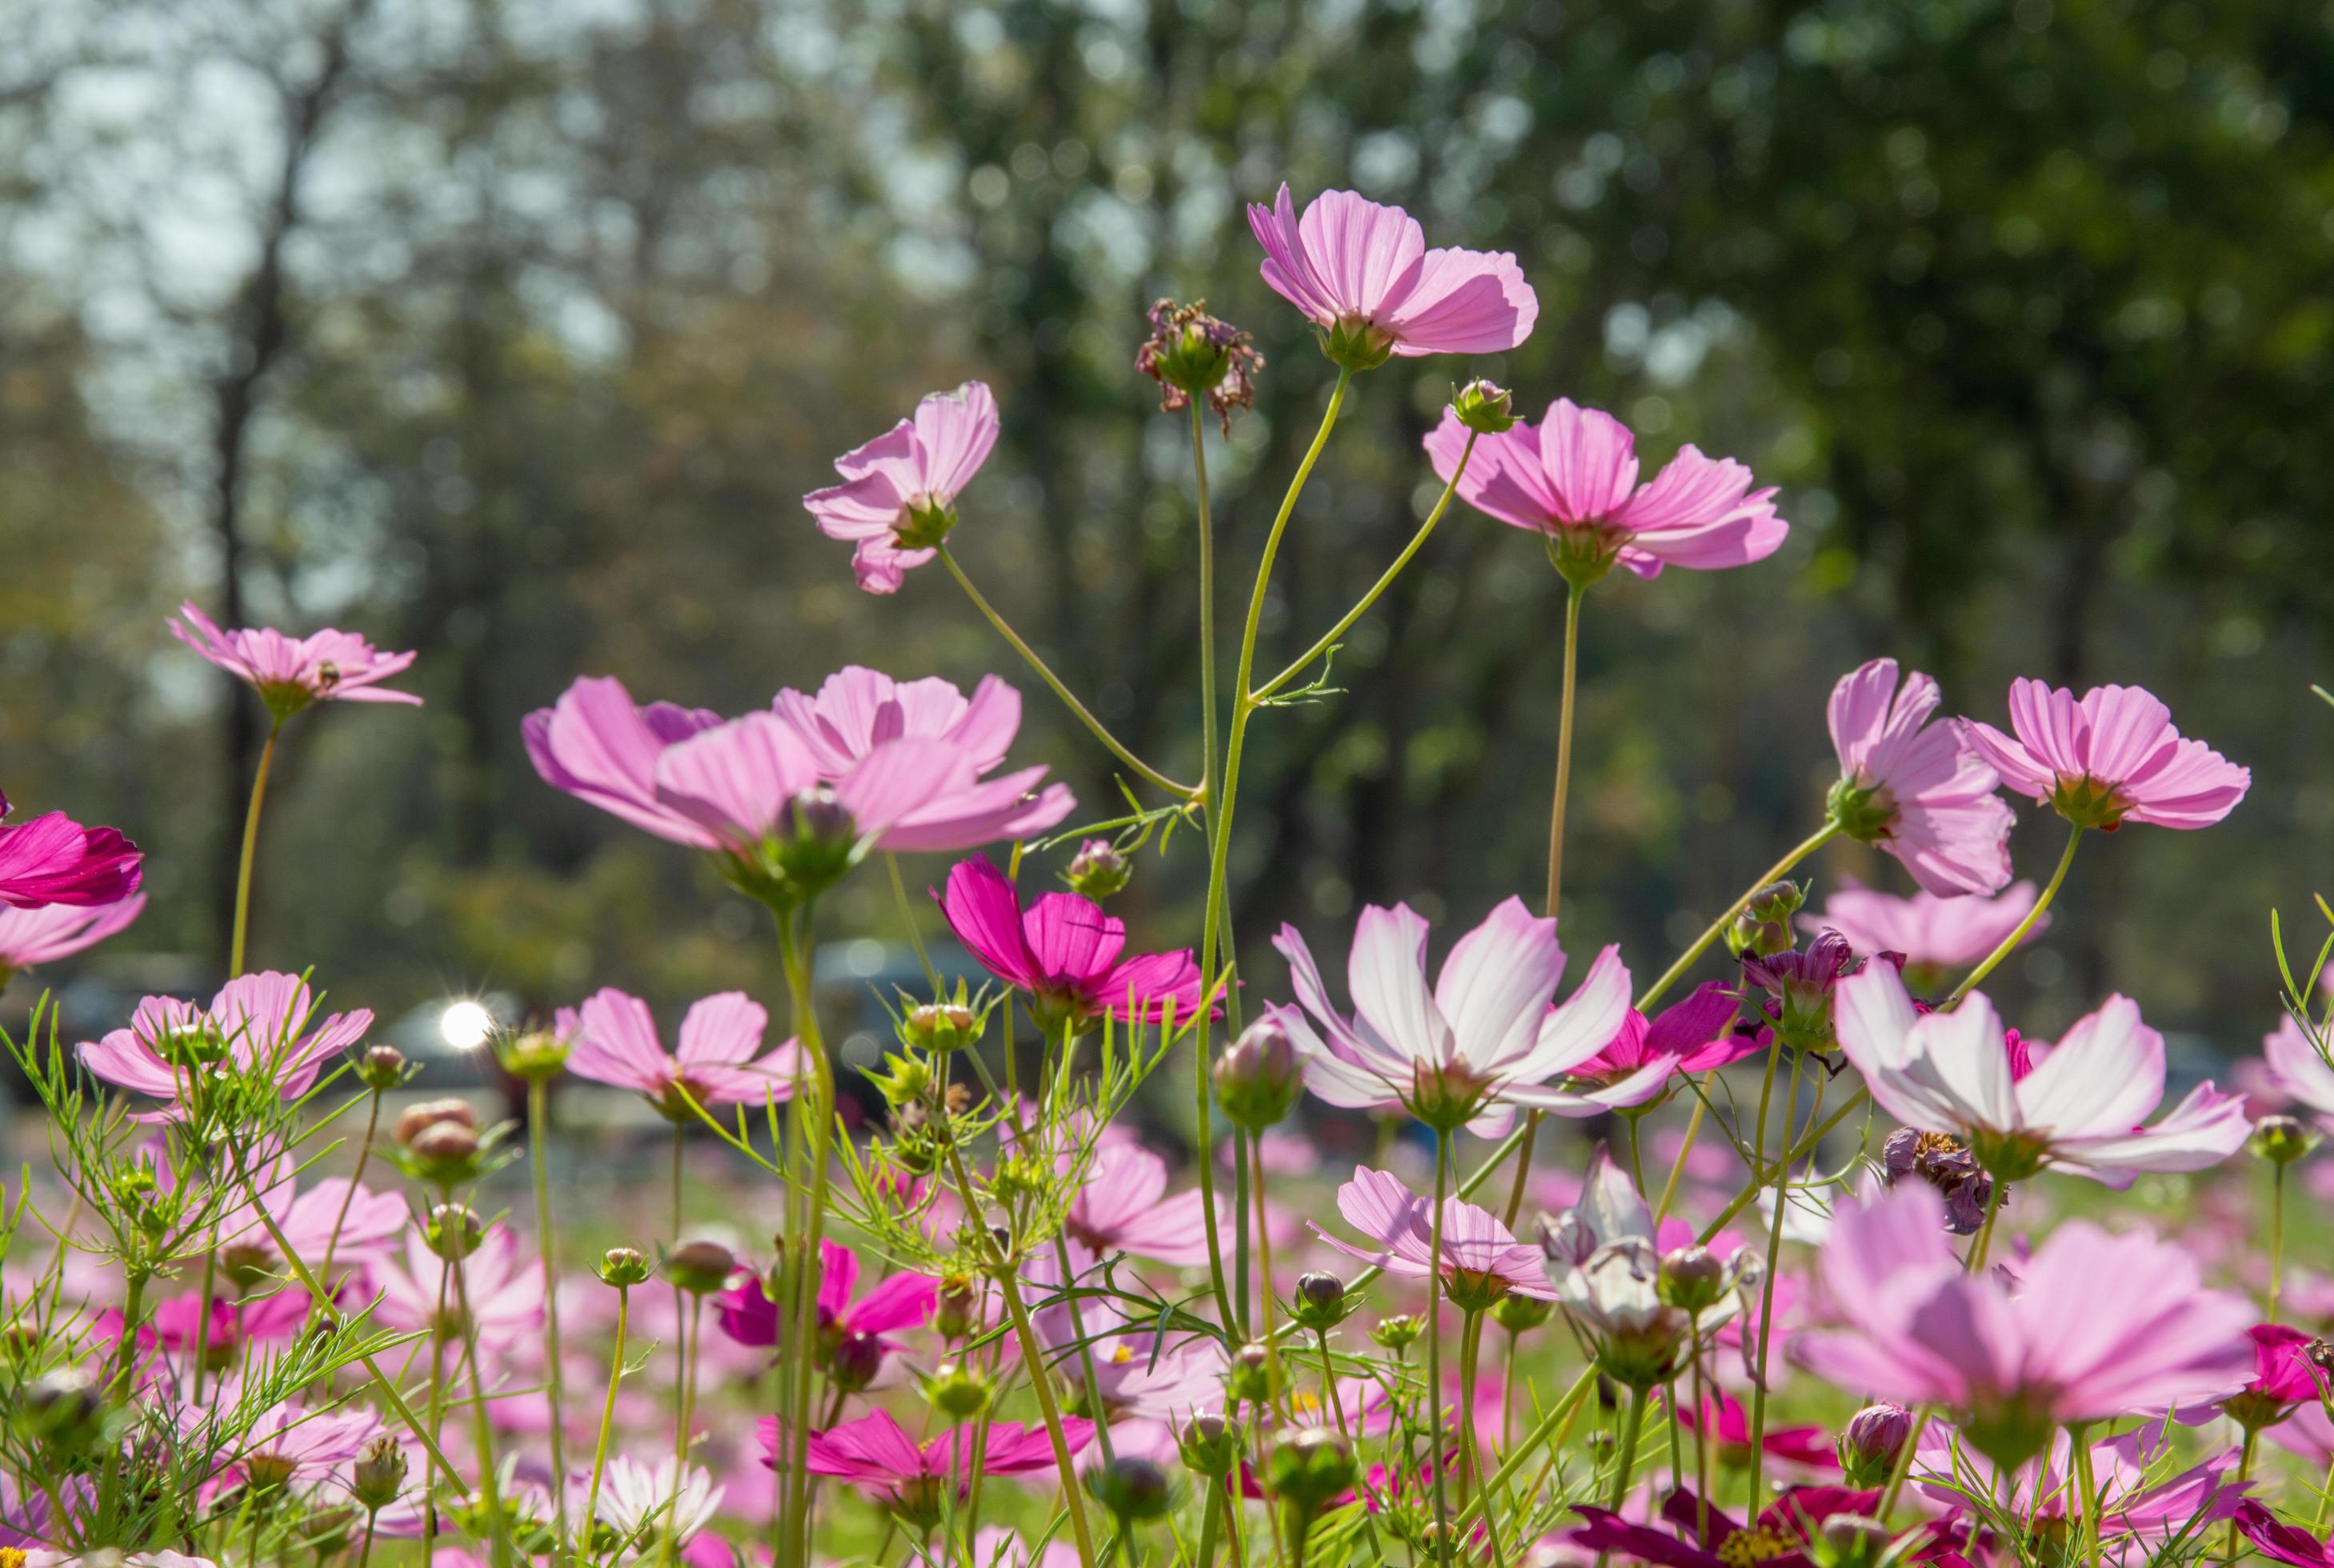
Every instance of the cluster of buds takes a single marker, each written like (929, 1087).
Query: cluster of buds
(1644, 1309)
(1191, 354)
(1260, 1076)
(1763, 927)
(1945, 1163)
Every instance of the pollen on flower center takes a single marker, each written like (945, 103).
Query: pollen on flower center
(1756, 1545)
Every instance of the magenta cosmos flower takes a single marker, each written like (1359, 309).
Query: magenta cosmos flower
(898, 1302)
(291, 673)
(54, 932)
(1063, 951)
(1916, 790)
(906, 764)
(53, 860)
(1930, 933)
(616, 1042)
(898, 496)
(1693, 1036)
(1362, 273)
(257, 1025)
(1481, 1260)
(1483, 1041)
(2099, 1326)
(2020, 1106)
(877, 1453)
(1574, 481)
(1708, 1537)
(2109, 758)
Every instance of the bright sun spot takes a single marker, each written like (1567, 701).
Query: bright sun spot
(465, 1026)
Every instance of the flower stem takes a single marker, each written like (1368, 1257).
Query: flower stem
(908, 918)
(1471, 1473)
(1553, 1427)
(2086, 1493)
(250, 847)
(608, 1410)
(1033, 1354)
(1766, 1324)
(1100, 731)
(1625, 1456)
(1434, 1351)
(1263, 1241)
(2010, 943)
(364, 1153)
(2276, 1235)
(538, 1121)
(498, 1534)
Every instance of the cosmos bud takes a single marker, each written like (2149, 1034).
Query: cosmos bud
(956, 1305)
(941, 1028)
(700, 1266)
(1251, 1378)
(382, 1067)
(1399, 1331)
(1764, 926)
(1097, 870)
(857, 1358)
(1692, 1278)
(380, 1473)
(1210, 1445)
(454, 1230)
(2282, 1139)
(1258, 1077)
(1134, 1489)
(958, 1388)
(1311, 1469)
(1521, 1314)
(532, 1055)
(623, 1266)
(1871, 1443)
(1320, 1302)
(444, 1152)
(1483, 408)
(419, 1118)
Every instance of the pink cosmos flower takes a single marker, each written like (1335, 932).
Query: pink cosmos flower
(54, 932)
(1916, 790)
(900, 1300)
(1932, 932)
(1574, 480)
(616, 1042)
(1480, 1258)
(2283, 1379)
(898, 496)
(1483, 1042)
(2137, 1495)
(1694, 1035)
(53, 860)
(876, 1452)
(1730, 1428)
(2101, 1325)
(686, 776)
(1362, 273)
(2281, 1543)
(256, 1024)
(2109, 758)
(2076, 1108)
(1065, 952)
(1124, 1206)
(291, 673)
(506, 1295)
(356, 1225)
(286, 1445)
(857, 710)
(2296, 1070)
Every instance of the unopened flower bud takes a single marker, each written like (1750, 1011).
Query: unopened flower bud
(941, 1028)
(701, 1267)
(903, 1083)
(956, 1305)
(1399, 1331)
(382, 1067)
(1692, 1278)
(1258, 1077)
(1210, 1445)
(958, 1388)
(1764, 928)
(1311, 1469)
(1251, 1378)
(2282, 1139)
(1483, 408)
(1097, 870)
(444, 1152)
(380, 1473)
(65, 1409)
(419, 1118)
(1134, 1489)
(532, 1055)
(815, 839)
(622, 1266)
(1320, 1302)
(1853, 1540)
(1872, 1442)
(857, 1358)
(1521, 1314)
(453, 1231)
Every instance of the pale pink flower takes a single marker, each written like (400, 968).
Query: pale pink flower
(857, 710)
(1483, 1042)
(1362, 273)
(2100, 1326)
(1124, 1206)
(1916, 790)
(292, 672)
(616, 1042)
(2109, 758)
(356, 1225)
(898, 496)
(729, 787)
(2297, 1070)
(288, 1445)
(2076, 1108)
(656, 1501)
(1065, 952)
(2139, 1493)
(1574, 479)
(876, 1452)
(257, 1025)
(506, 1295)
(1930, 931)
(1480, 1257)
(54, 932)
(52, 858)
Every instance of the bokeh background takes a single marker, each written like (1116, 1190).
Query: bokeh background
(513, 331)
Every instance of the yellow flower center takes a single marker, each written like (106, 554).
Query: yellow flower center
(1756, 1544)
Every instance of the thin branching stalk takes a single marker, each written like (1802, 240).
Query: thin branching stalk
(250, 847)
(608, 1409)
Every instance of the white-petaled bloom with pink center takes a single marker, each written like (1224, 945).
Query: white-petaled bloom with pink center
(2075, 1109)
(1481, 1261)
(1916, 790)
(652, 1502)
(1481, 1042)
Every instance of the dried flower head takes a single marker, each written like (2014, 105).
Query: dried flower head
(1191, 354)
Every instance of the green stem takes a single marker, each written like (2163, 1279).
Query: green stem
(1624, 1458)
(1086, 1349)
(364, 1153)
(1553, 1427)
(2079, 1450)
(2276, 1235)
(1701, 944)
(908, 918)
(608, 1409)
(1573, 592)
(538, 1121)
(1386, 580)
(250, 847)
(1805, 1147)
(2010, 943)
(1263, 1241)
(1044, 672)
(1434, 1351)
(482, 1432)
(1782, 1181)
(1471, 1473)
(1033, 1354)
